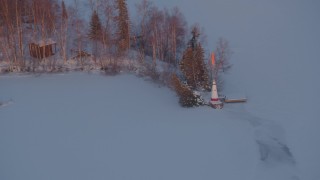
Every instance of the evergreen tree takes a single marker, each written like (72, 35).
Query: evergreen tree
(187, 98)
(194, 40)
(192, 64)
(64, 11)
(95, 32)
(202, 76)
(188, 67)
(123, 31)
(1, 16)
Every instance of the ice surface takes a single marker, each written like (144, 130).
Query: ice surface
(88, 126)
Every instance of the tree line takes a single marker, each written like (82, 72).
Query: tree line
(155, 35)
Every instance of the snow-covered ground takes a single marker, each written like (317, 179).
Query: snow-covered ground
(275, 64)
(87, 126)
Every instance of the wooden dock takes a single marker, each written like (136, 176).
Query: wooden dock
(242, 100)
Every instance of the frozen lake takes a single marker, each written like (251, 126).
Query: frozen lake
(88, 126)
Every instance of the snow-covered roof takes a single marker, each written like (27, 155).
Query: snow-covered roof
(45, 42)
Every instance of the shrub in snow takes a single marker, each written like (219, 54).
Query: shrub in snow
(152, 72)
(187, 98)
(112, 69)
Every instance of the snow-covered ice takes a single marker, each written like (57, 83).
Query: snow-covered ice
(89, 126)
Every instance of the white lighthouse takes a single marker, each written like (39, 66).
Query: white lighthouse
(215, 101)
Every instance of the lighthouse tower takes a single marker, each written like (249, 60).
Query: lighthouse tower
(215, 101)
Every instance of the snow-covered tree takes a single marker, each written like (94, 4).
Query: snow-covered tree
(201, 70)
(123, 29)
(95, 31)
(187, 98)
(192, 64)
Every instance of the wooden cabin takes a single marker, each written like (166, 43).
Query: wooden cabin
(43, 48)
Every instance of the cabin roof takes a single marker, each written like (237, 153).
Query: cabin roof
(45, 42)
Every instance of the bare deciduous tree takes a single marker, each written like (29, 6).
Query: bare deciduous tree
(177, 33)
(222, 57)
(12, 37)
(222, 61)
(79, 31)
(63, 34)
(162, 32)
(144, 12)
(108, 40)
